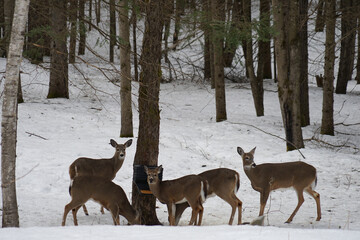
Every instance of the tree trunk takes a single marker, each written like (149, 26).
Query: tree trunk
(82, 28)
(134, 23)
(73, 29)
(320, 20)
(97, 11)
(125, 66)
(286, 19)
(112, 29)
(264, 45)
(179, 10)
(90, 14)
(206, 29)
(347, 52)
(327, 123)
(2, 21)
(244, 42)
(10, 215)
(8, 15)
(232, 38)
(218, 18)
(304, 55)
(58, 86)
(358, 44)
(255, 81)
(147, 149)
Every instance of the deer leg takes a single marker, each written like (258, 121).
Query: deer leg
(316, 196)
(201, 211)
(300, 202)
(67, 209)
(180, 208)
(102, 210)
(74, 212)
(85, 210)
(264, 195)
(114, 209)
(171, 211)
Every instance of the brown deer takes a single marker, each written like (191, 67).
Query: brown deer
(105, 167)
(190, 189)
(267, 177)
(224, 183)
(104, 191)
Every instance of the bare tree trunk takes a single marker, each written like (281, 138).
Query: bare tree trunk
(147, 149)
(256, 81)
(218, 18)
(73, 10)
(206, 29)
(320, 20)
(112, 29)
(286, 19)
(10, 215)
(264, 45)
(231, 40)
(8, 15)
(97, 11)
(82, 28)
(327, 122)
(134, 23)
(125, 66)
(347, 52)
(58, 86)
(179, 10)
(358, 43)
(2, 21)
(90, 14)
(304, 55)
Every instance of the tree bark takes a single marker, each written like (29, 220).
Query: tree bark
(73, 10)
(304, 59)
(347, 52)
(147, 149)
(8, 15)
(134, 26)
(327, 122)
(58, 86)
(286, 19)
(179, 10)
(264, 45)
(97, 11)
(320, 20)
(256, 82)
(112, 29)
(206, 29)
(125, 67)
(232, 38)
(10, 215)
(218, 18)
(82, 28)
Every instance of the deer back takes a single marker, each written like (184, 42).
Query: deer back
(221, 180)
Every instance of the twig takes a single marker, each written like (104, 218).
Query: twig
(249, 125)
(33, 134)
(7, 184)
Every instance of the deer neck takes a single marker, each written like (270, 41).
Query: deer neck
(156, 189)
(118, 161)
(250, 171)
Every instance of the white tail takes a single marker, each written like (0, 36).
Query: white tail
(104, 167)
(190, 188)
(104, 191)
(224, 183)
(270, 176)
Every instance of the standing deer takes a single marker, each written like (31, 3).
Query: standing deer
(270, 176)
(105, 167)
(224, 183)
(104, 191)
(190, 189)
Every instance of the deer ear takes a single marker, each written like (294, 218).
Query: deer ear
(128, 143)
(253, 151)
(159, 169)
(113, 142)
(240, 151)
(146, 169)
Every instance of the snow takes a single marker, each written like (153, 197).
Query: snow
(52, 133)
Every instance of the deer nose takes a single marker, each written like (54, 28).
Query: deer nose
(122, 155)
(151, 180)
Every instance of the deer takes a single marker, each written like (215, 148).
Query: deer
(101, 190)
(224, 183)
(267, 177)
(190, 189)
(104, 167)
